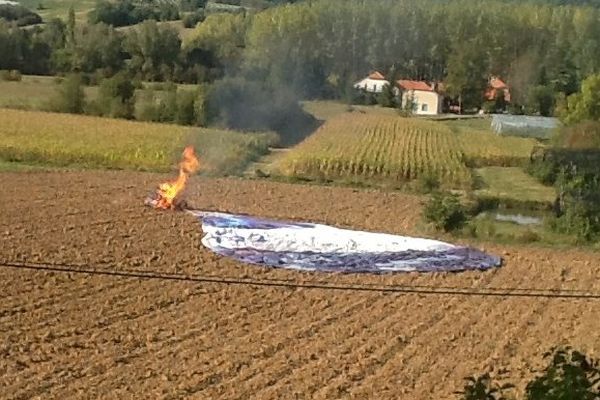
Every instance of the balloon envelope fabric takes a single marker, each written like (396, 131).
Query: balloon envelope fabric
(314, 247)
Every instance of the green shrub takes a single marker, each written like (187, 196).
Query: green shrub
(445, 212)
(529, 236)
(483, 388)
(584, 135)
(428, 183)
(191, 20)
(70, 97)
(570, 375)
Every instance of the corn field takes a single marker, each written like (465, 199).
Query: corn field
(50, 139)
(375, 148)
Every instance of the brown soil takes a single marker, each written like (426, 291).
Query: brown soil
(87, 336)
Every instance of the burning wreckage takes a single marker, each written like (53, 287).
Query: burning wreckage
(314, 247)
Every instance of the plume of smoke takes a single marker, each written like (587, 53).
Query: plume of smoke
(253, 106)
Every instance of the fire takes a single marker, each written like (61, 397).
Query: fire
(167, 192)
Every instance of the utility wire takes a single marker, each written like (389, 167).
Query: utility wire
(404, 289)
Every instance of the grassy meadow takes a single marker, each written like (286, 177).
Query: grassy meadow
(59, 8)
(33, 92)
(507, 184)
(62, 140)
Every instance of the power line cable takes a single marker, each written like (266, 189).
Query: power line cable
(319, 285)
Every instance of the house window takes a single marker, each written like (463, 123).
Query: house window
(424, 107)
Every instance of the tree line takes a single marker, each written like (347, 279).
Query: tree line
(319, 48)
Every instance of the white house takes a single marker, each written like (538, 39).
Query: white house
(374, 83)
(424, 97)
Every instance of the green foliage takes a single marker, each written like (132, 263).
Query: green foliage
(184, 107)
(191, 5)
(541, 100)
(387, 97)
(483, 388)
(428, 183)
(115, 97)
(579, 212)
(130, 12)
(467, 73)
(586, 104)
(70, 97)
(19, 14)
(583, 135)
(186, 111)
(570, 375)
(575, 175)
(154, 50)
(221, 39)
(192, 19)
(445, 212)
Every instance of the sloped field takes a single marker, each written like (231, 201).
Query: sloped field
(379, 148)
(74, 335)
(370, 148)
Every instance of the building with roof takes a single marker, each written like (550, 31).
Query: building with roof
(374, 83)
(495, 87)
(423, 98)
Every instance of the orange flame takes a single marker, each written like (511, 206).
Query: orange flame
(167, 192)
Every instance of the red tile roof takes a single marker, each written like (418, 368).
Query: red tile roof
(414, 85)
(376, 75)
(497, 83)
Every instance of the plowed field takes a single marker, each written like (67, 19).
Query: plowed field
(73, 335)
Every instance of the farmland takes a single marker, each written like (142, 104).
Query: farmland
(97, 336)
(377, 148)
(71, 140)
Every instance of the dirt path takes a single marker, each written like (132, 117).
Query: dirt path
(81, 336)
(265, 165)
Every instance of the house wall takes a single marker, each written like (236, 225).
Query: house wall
(371, 85)
(426, 103)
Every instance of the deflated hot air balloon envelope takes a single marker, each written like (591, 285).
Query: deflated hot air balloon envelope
(314, 247)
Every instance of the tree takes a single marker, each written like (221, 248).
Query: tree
(445, 212)
(99, 46)
(467, 75)
(586, 104)
(70, 34)
(570, 375)
(483, 388)
(523, 74)
(116, 97)
(154, 50)
(541, 99)
(387, 97)
(70, 97)
(186, 111)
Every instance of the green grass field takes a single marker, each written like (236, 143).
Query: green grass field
(48, 139)
(325, 110)
(36, 93)
(512, 185)
(49, 9)
(33, 92)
